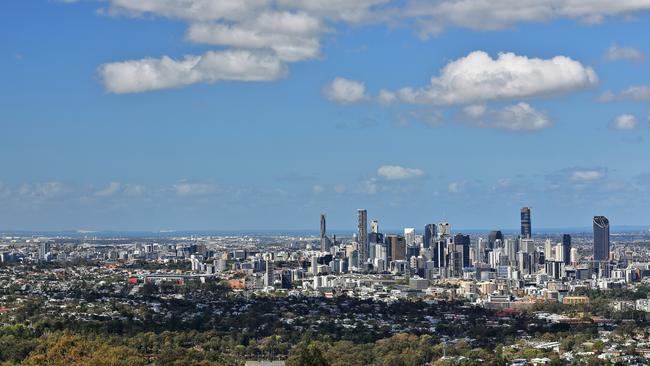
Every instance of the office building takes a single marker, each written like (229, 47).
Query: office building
(362, 237)
(493, 236)
(409, 236)
(566, 248)
(601, 238)
(396, 247)
(429, 235)
(526, 229)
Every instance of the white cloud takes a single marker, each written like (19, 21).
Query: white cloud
(317, 189)
(194, 10)
(635, 93)
(153, 74)
(345, 91)
(455, 187)
(477, 77)
(110, 190)
(475, 110)
(291, 31)
(386, 97)
(616, 53)
(352, 11)
(624, 122)
(396, 172)
(639, 93)
(518, 117)
(370, 186)
(339, 188)
(134, 190)
(586, 175)
(42, 190)
(292, 36)
(493, 15)
(185, 188)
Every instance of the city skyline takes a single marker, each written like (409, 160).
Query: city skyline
(327, 113)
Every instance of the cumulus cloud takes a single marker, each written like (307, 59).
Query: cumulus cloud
(186, 188)
(585, 175)
(617, 53)
(291, 31)
(153, 74)
(494, 15)
(292, 36)
(518, 117)
(624, 122)
(110, 190)
(194, 10)
(455, 187)
(478, 77)
(345, 91)
(42, 190)
(635, 93)
(352, 11)
(396, 172)
(639, 93)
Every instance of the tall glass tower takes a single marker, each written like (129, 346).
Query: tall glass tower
(566, 247)
(526, 230)
(601, 238)
(363, 237)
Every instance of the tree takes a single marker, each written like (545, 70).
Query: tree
(306, 355)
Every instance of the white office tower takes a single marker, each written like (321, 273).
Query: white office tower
(559, 252)
(444, 229)
(473, 258)
(409, 236)
(379, 264)
(380, 252)
(268, 275)
(314, 265)
(374, 226)
(511, 249)
(548, 250)
(575, 258)
(480, 246)
(526, 245)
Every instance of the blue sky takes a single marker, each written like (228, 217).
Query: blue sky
(275, 115)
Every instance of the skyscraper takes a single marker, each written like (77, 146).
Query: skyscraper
(43, 250)
(324, 240)
(323, 228)
(566, 247)
(409, 235)
(444, 229)
(374, 226)
(601, 238)
(397, 247)
(493, 236)
(363, 237)
(429, 235)
(462, 243)
(526, 230)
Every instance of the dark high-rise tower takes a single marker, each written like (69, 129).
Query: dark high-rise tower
(462, 242)
(601, 238)
(323, 228)
(363, 237)
(324, 240)
(429, 235)
(493, 236)
(526, 230)
(566, 248)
